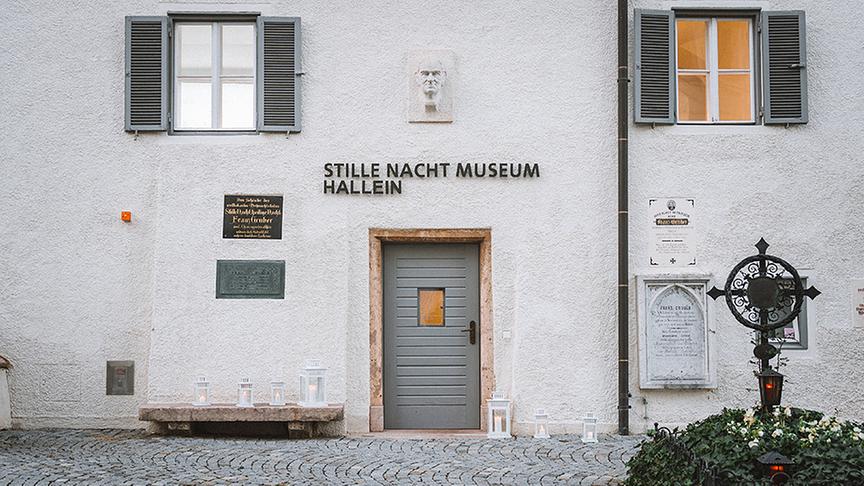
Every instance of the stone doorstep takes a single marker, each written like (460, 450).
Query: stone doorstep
(223, 412)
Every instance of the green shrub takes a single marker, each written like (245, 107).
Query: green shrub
(825, 450)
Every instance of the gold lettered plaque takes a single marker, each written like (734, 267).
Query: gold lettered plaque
(252, 217)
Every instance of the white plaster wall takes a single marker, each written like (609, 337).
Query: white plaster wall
(536, 84)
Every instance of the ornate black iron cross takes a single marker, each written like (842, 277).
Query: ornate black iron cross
(764, 293)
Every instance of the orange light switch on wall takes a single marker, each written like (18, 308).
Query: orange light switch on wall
(126, 216)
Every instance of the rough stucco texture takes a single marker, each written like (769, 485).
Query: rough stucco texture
(534, 85)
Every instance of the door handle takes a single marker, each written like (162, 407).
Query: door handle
(472, 332)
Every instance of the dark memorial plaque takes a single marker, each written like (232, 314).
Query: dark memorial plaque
(252, 217)
(250, 279)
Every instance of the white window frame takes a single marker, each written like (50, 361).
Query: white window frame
(808, 315)
(713, 71)
(216, 77)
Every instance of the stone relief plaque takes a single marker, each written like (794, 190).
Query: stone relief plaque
(675, 341)
(431, 79)
(672, 232)
(250, 279)
(252, 217)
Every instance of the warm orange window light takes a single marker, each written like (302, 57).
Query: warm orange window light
(769, 385)
(431, 302)
(126, 216)
(777, 468)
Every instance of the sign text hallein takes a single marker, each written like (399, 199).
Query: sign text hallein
(381, 179)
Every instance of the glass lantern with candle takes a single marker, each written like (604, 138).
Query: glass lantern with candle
(498, 426)
(313, 384)
(589, 428)
(202, 392)
(541, 424)
(277, 393)
(244, 393)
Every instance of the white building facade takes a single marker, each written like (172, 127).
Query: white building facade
(423, 93)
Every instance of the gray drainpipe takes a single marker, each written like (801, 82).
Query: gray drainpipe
(623, 242)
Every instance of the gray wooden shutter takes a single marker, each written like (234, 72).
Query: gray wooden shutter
(655, 67)
(146, 73)
(278, 68)
(784, 67)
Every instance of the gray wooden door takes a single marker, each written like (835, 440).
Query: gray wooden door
(431, 367)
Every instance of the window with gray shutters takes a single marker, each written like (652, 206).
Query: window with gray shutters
(703, 67)
(195, 73)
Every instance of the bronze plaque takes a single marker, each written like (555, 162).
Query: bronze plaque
(250, 279)
(252, 217)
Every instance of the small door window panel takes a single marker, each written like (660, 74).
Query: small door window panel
(430, 305)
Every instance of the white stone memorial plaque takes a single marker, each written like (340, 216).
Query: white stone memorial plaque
(858, 303)
(672, 232)
(675, 341)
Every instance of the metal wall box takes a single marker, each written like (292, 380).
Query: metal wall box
(250, 279)
(120, 378)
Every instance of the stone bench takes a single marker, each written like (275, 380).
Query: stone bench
(290, 419)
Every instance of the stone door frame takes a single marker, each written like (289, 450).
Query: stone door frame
(377, 238)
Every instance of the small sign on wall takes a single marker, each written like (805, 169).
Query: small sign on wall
(858, 302)
(120, 378)
(252, 217)
(672, 232)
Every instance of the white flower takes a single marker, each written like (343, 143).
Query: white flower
(743, 431)
(761, 433)
(753, 443)
(856, 437)
(788, 411)
(856, 429)
(776, 412)
(777, 433)
(749, 416)
(861, 435)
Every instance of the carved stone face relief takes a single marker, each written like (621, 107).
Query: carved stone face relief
(430, 86)
(431, 80)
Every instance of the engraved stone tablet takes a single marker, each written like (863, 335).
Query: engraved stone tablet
(120, 378)
(252, 217)
(250, 279)
(674, 340)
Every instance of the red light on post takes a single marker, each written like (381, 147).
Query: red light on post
(770, 388)
(126, 216)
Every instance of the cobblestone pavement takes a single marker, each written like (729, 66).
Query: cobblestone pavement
(132, 457)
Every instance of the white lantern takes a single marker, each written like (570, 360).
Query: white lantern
(202, 392)
(313, 385)
(589, 428)
(498, 426)
(541, 424)
(244, 393)
(277, 393)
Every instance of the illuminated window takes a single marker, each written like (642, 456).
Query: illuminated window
(431, 307)
(715, 70)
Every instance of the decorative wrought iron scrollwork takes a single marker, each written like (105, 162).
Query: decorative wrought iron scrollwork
(764, 292)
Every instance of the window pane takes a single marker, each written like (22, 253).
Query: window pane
(692, 41)
(734, 92)
(431, 303)
(733, 44)
(692, 97)
(238, 49)
(193, 55)
(194, 104)
(238, 102)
